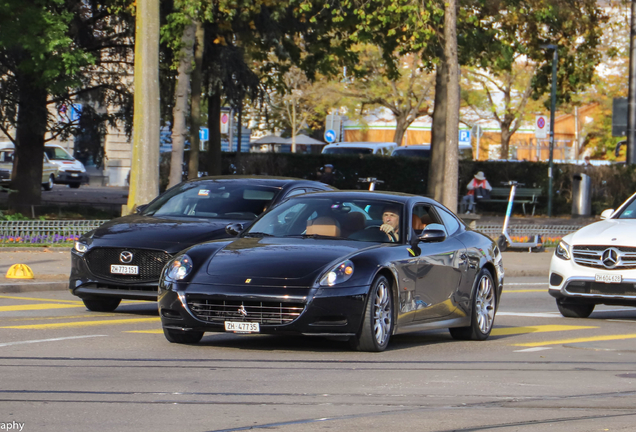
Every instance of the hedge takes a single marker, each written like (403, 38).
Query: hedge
(611, 185)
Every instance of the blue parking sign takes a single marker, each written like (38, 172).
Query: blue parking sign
(464, 136)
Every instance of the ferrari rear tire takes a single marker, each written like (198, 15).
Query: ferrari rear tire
(484, 306)
(575, 310)
(182, 336)
(377, 323)
(104, 304)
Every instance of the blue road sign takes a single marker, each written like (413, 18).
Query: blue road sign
(330, 135)
(75, 112)
(204, 134)
(464, 136)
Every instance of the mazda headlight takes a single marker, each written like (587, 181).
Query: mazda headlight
(80, 247)
(339, 273)
(179, 268)
(563, 250)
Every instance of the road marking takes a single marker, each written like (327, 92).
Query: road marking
(533, 349)
(42, 299)
(156, 331)
(579, 340)
(525, 291)
(532, 314)
(82, 324)
(505, 331)
(13, 319)
(47, 340)
(522, 283)
(40, 306)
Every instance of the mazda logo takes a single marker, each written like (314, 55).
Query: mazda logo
(242, 311)
(610, 257)
(125, 257)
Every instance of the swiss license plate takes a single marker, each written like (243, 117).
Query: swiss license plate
(242, 327)
(124, 269)
(608, 278)
(74, 175)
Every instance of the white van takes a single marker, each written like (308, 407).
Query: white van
(378, 148)
(70, 171)
(424, 151)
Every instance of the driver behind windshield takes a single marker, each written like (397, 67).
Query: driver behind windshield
(391, 222)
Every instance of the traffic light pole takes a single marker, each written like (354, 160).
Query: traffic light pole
(631, 97)
(555, 60)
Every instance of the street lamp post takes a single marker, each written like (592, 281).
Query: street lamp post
(555, 59)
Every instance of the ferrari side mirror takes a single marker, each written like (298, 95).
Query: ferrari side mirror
(140, 208)
(234, 229)
(607, 213)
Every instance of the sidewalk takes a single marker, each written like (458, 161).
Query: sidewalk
(52, 267)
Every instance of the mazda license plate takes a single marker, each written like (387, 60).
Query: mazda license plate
(608, 278)
(242, 327)
(124, 269)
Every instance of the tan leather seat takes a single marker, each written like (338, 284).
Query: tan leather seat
(351, 222)
(417, 223)
(323, 225)
(426, 219)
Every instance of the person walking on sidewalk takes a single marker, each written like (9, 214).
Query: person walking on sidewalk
(478, 188)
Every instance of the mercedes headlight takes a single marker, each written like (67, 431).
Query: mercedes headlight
(563, 250)
(179, 268)
(339, 273)
(80, 247)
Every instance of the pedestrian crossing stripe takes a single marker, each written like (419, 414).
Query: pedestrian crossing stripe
(37, 306)
(579, 340)
(507, 331)
(82, 324)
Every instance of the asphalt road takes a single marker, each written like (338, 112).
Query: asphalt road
(67, 369)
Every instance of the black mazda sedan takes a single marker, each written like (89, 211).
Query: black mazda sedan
(356, 265)
(123, 258)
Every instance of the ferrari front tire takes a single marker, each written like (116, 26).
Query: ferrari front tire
(377, 323)
(484, 306)
(182, 336)
(575, 310)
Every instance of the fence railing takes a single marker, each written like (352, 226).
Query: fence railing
(551, 234)
(45, 232)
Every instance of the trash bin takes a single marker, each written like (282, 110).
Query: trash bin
(581, 195)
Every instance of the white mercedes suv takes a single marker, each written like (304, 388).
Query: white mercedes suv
(597, 264)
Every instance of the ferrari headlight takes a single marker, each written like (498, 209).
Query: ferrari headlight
(179, 268)
(80, 247)
(563, 250)
(339, 273)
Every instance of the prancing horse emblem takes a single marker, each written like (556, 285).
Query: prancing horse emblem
(125, 257)
(242, 311)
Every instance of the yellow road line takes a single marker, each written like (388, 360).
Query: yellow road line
(82, 324)
(579, 340)
(42, 299)
(525, 291)
(505, 331)
(156, 331)
(39, 306)
(13, 319)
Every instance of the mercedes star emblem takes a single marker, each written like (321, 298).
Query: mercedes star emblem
(242, 311)
(610, 257)
(125, 257)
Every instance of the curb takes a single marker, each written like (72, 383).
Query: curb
(33, 286)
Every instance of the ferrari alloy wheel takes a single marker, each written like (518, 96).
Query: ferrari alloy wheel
(377, 324)
(182, 336)
(575, 310)
(104, 304)
(483, 310)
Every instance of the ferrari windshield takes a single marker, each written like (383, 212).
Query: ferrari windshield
(332, 217)
(213, 200)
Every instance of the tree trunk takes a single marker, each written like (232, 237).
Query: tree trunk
(180, 110)
(195, 105)
(451, 164)
(26, 176)
(438, 133)
(505, 141)
(401, 125)
(214, 126)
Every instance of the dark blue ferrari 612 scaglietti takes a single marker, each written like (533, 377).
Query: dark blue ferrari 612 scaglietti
(360, 265)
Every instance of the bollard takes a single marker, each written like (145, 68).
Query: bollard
(20, 271)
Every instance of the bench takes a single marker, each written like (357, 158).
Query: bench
(523, 196)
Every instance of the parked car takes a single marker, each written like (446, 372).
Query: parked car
(49, 170)
(424, 151)
(597, 264)
(71, 171)
(123, 258)
(320, 265)
(379, 148)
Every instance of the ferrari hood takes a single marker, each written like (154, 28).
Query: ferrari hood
(277, 261)
(148, 232)
(610, 232)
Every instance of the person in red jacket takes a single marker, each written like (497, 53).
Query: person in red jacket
(468, 202)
